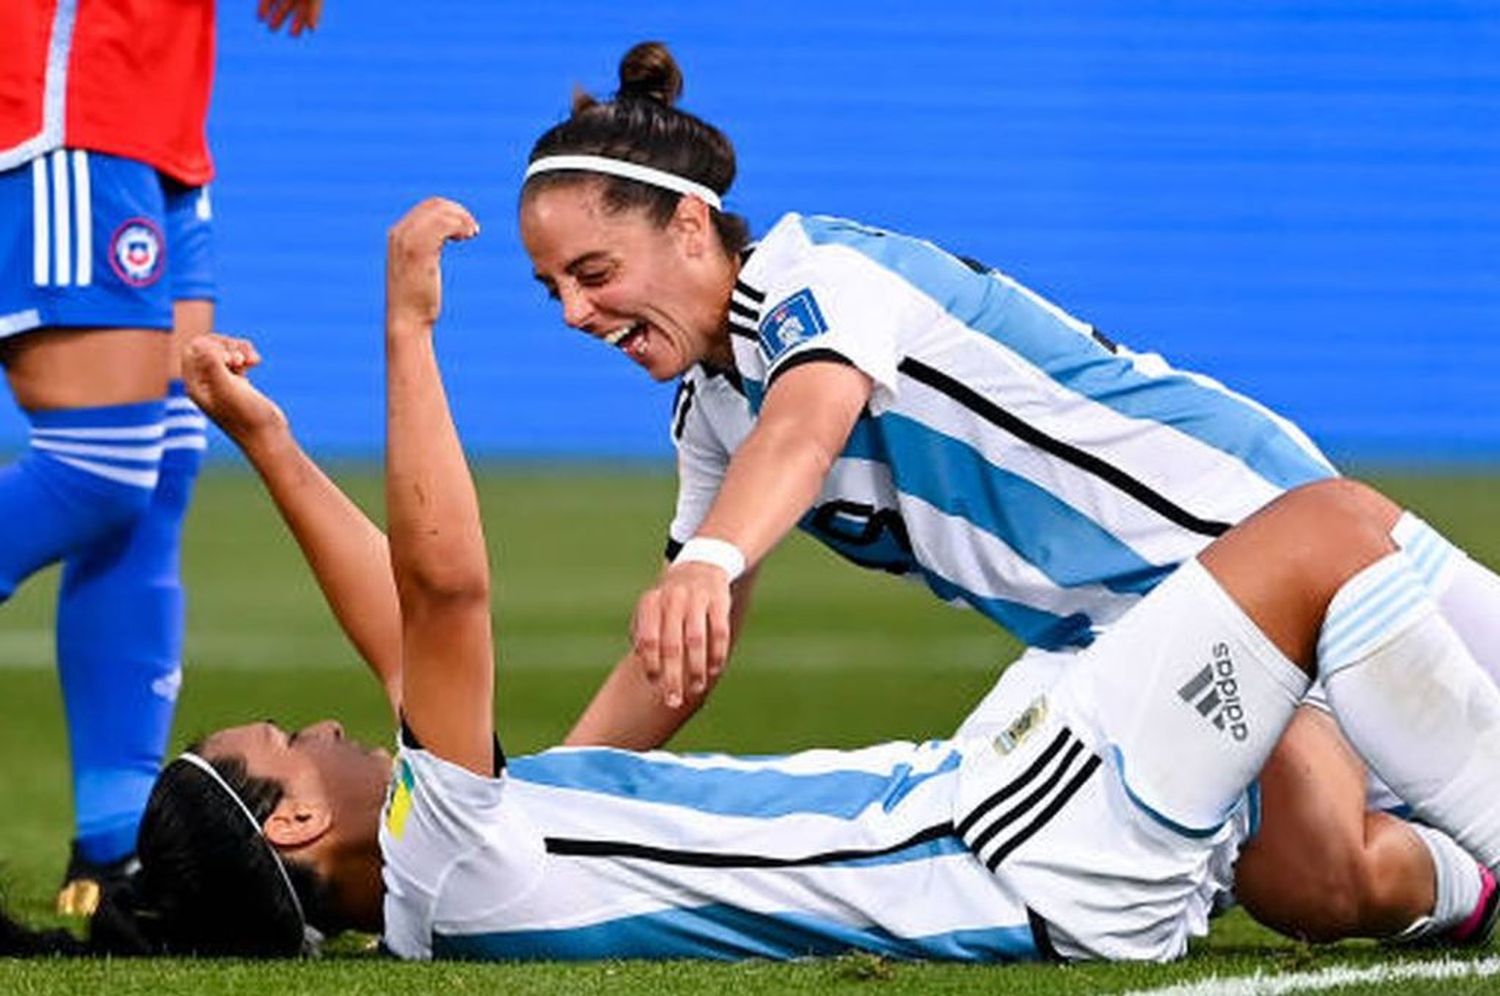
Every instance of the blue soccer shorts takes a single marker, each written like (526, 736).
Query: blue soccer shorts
(93, 240)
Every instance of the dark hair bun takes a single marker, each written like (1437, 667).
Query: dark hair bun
(648, 71)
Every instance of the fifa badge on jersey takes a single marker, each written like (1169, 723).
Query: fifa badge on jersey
(1021, 727)
(137, 252)
(794, 320)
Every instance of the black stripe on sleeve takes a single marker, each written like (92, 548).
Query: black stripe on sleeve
(808, 356)
(672, 550)
(758, 297)
(1002, 419)
(744, 311)
(569, 847)
(739, 328)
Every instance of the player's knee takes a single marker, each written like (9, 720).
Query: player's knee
(1341, 510)
(1333, 529)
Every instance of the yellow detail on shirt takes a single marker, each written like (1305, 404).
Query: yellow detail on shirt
(400, 805)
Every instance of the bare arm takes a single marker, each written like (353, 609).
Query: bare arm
(437, 543)
(347, 553)
(627, 711)
(681, 631)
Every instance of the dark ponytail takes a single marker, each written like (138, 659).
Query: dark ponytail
(209, 884)
(641, 125)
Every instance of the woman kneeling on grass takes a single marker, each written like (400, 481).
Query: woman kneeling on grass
(1097, 824)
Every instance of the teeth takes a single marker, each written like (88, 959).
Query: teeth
(614, 337)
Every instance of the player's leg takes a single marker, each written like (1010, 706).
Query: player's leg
(1467, 593)
(93, 400)
(1359, 867)
(1190, 691)
(1323, 867)
(1319, 575)
(85, 306)
(121, 607)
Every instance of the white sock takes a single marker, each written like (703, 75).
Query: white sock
(1467, 593)
(1413, 702)
(1458, 881)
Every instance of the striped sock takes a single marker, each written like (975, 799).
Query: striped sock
(120, 621)
(88, 472)
(1467, 593)
(1414, 703)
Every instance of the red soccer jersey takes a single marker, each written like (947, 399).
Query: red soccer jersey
(127, 77)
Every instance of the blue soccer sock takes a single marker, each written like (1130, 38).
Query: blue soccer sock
(119, 648)
(87, 473)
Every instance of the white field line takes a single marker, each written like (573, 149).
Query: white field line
(1261, 984)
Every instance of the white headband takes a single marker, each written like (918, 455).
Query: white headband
(311, 935)
(630, 171)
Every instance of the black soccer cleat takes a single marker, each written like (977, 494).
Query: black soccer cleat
(85, 882)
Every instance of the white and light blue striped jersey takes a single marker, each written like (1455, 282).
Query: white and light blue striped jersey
(1011, 457)
(599, 853)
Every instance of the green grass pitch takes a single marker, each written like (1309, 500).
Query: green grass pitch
(835, 657)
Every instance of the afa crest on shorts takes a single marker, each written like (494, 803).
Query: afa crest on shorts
(137, 252)
(794, 320)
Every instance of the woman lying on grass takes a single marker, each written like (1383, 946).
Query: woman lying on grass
(1096, 824)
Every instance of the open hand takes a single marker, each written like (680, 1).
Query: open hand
(681, 630)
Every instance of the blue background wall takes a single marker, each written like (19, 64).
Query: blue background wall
(1302, 199)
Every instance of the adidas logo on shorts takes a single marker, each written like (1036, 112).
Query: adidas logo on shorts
(1214, 692)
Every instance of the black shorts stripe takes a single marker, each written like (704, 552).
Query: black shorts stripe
(1107, 472)
(1016, 784)
(1041, 936)
(980, 840)
(1045, 816)
(758, 297)
(568, 847)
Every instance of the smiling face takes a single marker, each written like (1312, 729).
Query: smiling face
(660, 294)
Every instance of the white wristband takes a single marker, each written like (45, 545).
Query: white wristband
(720, 553)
